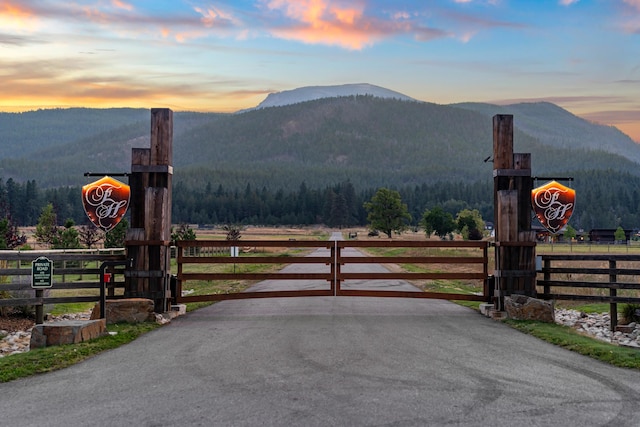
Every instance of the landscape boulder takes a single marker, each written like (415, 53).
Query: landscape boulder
(130, 310)
(522, 307)
(66, 332)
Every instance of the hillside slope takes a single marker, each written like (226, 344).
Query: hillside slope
(367, 140)
(559, 128)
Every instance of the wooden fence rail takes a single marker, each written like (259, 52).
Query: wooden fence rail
(613, 273)
(86, 269)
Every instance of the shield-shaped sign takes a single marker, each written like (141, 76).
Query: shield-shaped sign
(553, 205)
(106, 202)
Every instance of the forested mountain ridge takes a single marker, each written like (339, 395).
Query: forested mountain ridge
(366, 140)
(559, 128)
(295, 163)
(26, 133)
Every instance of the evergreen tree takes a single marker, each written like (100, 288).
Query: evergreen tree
(570, 233)
(67, 237)
(47, 227)
(115, 238)
(339, 214)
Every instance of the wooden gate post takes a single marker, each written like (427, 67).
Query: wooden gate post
(148, 238)
(515, 270)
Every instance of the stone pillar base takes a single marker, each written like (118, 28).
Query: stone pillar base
(522, 307)
(66, 332)
(130, 310)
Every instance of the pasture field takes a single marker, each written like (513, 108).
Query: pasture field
(320, 233)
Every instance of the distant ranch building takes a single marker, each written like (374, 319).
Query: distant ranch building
(606, 235)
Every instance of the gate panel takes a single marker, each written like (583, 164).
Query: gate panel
(212, 252)
(339, 268)
(480, 259)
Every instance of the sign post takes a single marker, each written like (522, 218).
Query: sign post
(41, 278)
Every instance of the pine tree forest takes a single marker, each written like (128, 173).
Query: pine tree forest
(605, 199)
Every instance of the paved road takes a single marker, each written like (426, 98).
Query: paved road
(330, 361)
(287, 285)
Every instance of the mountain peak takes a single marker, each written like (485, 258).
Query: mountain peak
(310, 93)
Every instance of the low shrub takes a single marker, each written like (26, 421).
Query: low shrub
(631, 313)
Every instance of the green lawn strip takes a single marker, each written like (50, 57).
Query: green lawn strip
(71, 307)
(48, 359)
(559, 335)
(569, 339)
(586, 308)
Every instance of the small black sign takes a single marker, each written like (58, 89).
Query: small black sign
(41, 273)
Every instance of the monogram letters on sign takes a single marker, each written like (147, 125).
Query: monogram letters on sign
(553, 205)
(105, 202)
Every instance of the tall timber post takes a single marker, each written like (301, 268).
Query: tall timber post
(515, 270)
(149, 235)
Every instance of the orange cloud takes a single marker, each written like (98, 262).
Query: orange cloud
(15, 14)
(16, 9)
(628, 121)
(57, 84)
(351, 26)
(326, 22)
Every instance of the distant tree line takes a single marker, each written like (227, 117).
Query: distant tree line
(605, 199)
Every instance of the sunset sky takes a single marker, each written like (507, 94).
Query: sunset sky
(226, 55)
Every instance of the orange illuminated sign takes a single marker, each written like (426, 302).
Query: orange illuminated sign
(553, 205)
(106, 202)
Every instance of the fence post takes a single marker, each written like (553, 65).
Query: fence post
(613, 307)
(40, 307)
(547, 276)
(335, 268)
(179, 255)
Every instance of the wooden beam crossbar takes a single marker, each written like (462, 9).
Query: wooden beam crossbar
(597, 285)
(592, 298)
(254, 276)
(253, 260)
(410, 276)
(413, 260)
(409, 294)
(569, 270)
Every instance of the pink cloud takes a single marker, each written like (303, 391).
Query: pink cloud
(212, 17)
(339, 23)
(633, 3)
(122, 5)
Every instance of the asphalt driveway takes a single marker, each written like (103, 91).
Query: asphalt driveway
(330, 361)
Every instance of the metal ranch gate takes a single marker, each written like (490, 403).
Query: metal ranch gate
(336, 265)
